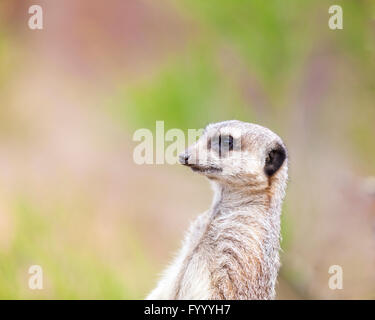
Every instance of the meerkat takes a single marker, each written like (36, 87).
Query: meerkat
(232, 250)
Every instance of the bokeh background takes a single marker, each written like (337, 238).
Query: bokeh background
(73, 201)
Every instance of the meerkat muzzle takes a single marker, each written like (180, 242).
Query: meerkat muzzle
(184, 158)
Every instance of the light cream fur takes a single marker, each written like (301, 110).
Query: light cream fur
(232, 250)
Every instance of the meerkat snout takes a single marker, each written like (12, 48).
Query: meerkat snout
(183, 158)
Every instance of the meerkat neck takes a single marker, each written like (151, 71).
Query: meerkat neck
(254, 239)
(232, 198)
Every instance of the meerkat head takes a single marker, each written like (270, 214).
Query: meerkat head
(237, 153)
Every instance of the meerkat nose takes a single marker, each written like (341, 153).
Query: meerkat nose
(184, 157)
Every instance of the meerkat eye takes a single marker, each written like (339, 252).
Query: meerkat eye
(221, 144)
(226, 143)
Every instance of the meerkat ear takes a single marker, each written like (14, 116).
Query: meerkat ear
(274, 160)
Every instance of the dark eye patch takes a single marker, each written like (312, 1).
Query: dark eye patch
(221, 144)
(227, 142)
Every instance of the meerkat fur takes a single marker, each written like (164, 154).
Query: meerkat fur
(232, 250)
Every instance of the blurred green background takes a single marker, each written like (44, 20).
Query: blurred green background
(73, 201)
